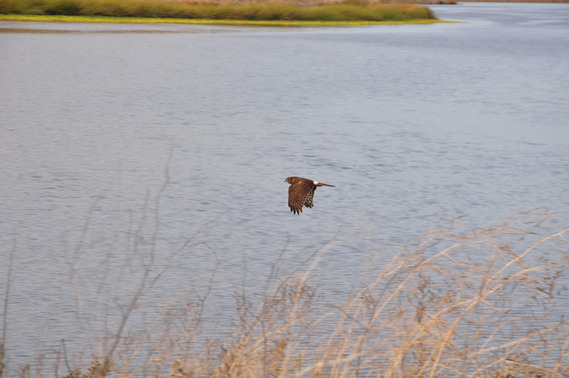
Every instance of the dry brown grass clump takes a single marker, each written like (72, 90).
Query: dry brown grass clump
(480, 303)
(455, 302)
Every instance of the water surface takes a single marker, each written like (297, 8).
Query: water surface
(410, 122)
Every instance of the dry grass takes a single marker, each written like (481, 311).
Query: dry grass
(473, 303)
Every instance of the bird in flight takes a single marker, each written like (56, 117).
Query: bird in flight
(301, 193)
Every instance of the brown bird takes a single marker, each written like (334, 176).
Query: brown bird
(301, 192)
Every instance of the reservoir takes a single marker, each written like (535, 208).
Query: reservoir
(148, 161)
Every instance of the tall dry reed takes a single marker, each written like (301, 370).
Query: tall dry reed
(454, 302)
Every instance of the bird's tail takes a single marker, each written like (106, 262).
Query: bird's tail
(322, 184)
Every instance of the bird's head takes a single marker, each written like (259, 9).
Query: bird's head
(292, 180)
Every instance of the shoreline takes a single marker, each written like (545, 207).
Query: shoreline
(152, 20)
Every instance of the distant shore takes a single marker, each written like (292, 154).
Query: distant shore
(150, 20)
(515, 1)
(349, 12)
(453, 2)
(228, 12)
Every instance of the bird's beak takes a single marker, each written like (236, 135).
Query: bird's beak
(285, 180)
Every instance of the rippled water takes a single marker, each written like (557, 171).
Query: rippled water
(410, 122)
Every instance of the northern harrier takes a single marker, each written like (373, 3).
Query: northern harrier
(301, 192)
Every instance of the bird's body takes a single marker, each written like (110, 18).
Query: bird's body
(301, 193)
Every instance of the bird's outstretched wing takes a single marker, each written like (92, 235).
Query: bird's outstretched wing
(309, 201)
(299, 193)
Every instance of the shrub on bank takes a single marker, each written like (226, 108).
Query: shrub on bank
(161, 9)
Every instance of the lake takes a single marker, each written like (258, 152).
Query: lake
(156, 155)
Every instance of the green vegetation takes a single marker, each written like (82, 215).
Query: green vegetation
(338, 13)
(137, 20)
